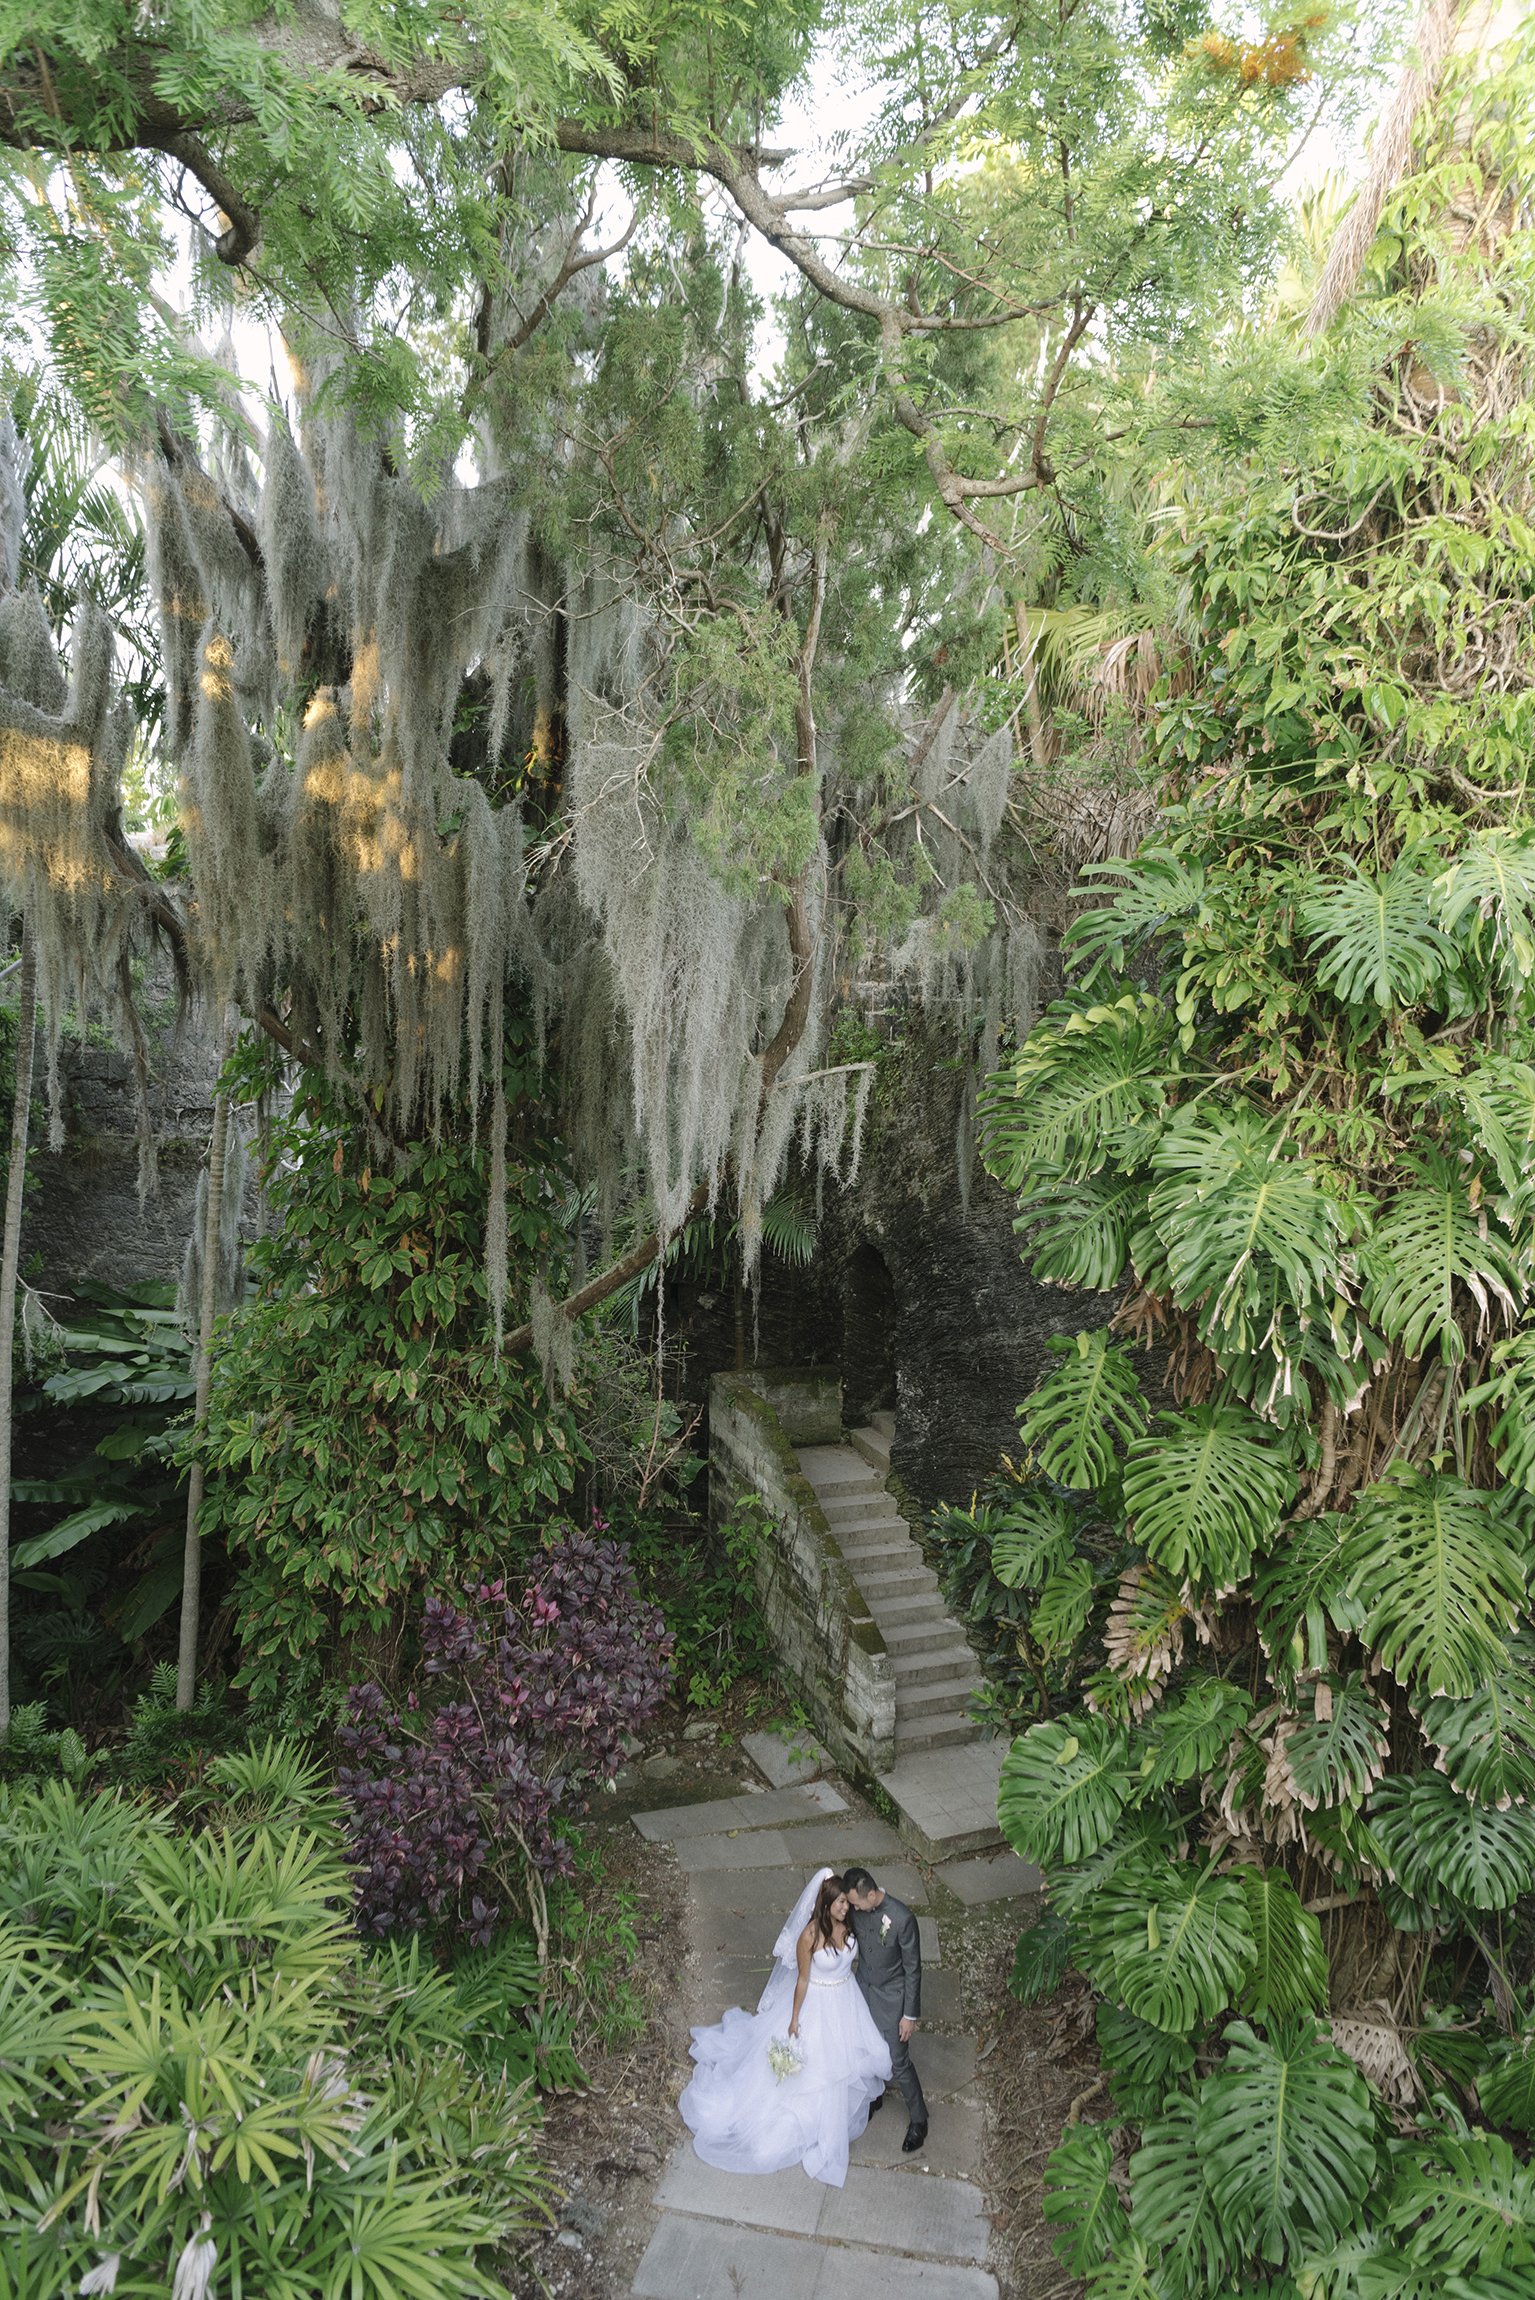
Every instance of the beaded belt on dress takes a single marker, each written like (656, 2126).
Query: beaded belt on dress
(837, 1981)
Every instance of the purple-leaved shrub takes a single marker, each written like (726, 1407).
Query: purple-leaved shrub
(453, 1797)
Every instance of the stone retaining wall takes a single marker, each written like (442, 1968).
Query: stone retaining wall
(817, 1618)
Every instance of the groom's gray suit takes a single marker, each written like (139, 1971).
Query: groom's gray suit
(890, 1974)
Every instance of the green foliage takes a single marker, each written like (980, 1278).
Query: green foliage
(1042, 1956)
(1289, 1973)
(1486, 1743)
(1082, 2206)
(1086, 1406)
(1143, 2063)
(1172, 1941)
(702, 1574)
(367, 1442)
(1062, 1789)
(1287, 2135)
(205, 2055)
(1439, 1569)
(1440, 1846)
(1204, 1489)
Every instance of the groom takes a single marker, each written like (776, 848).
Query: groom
(890, 1975)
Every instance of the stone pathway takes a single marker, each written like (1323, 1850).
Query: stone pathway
(904, 2227)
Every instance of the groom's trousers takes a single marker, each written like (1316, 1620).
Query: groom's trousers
(903, 2070)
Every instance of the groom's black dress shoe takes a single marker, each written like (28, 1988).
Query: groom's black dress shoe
(915, 2135)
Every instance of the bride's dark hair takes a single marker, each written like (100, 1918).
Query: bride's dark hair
(832, 1888)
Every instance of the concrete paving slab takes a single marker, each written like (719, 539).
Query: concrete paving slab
(784, 1758)
(999, 1876)
(761, 1809)
(942, 1995)
(952, 2146)
(857, 1838)
(787, 2201)
(945, 2064)
(947, 1798)
(701, 2260)
(741, 1849)
(927, 1938)
(937, 2219)
(725, 1932)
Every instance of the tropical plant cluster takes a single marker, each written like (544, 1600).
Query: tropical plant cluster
(207, 2080)
(1281, 1510)
(454, 1804)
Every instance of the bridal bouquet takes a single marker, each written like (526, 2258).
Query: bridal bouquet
(784, 2057)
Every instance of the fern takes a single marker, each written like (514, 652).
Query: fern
(1338, 1753)
(1290, 1963)
(1079, 1231)
(1174, 1942)
(1439, 1568)
(1379, 939)
(1486, 1742)
(1088, 1406)
(1062, 1789)
(1286, 2127)
(1079, 1091)
(1440, 1845)
(1204, 1490)
(1429, 1245)
(1082, 2206)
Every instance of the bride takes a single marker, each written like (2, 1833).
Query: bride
(742, 2116)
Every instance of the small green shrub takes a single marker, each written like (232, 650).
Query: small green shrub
(201, 2069)
(704, 1578)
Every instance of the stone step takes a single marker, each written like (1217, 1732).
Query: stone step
(877, 1544)
(696, 2259)
(934, 2219)
(866, 1519)
(926, 1665)
(913, 1633)
(950, 1692)
(894, 1577)
(855, 1479)
(874, 1445)
(948, 1730)
(883, 1422)
(909, 1608)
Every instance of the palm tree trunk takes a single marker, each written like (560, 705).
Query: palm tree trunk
(192, 1565)
(10, 1263)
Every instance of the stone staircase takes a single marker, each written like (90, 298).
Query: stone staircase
(935, 1670)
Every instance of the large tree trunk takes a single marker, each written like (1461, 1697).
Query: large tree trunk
(192, 1567)
(10, 1262)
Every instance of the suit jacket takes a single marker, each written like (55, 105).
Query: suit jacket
(889, 1961)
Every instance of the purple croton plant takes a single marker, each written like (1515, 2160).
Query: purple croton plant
(453, 1797)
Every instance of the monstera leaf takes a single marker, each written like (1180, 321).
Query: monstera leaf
(1425, 1252)
(1378, 939)
(1440, 1846)
(1494, 877)
(1486, 1743)
(1082, 1082)
(1506, 2086)
(1143, 2063)
(1246, 1224)
(1041, 1957)
(1063, 1788)
(1082, 2206)
(1286, 2129)
(1079, 1231)
(1035, 1536)
(1290, 1969)
(1438, 1566)
(1087, 1407)
(1173, 1941)
(1173, 2210)
(1204, 1490)
(1301, 1587)
(1509, 1393)
(1338, 1752)
(1065, 1603)
(1189, 1734)
(1463, 2204)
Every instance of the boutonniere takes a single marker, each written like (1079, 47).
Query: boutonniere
(884, 1928)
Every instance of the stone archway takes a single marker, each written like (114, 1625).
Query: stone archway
(868, 1336)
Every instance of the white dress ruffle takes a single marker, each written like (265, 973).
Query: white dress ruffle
(744, 2119)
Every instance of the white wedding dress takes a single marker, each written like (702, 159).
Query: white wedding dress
(743, 2118)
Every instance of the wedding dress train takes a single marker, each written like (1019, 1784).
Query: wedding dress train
(744, 2119)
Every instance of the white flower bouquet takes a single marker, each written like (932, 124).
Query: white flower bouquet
(784, 2057)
